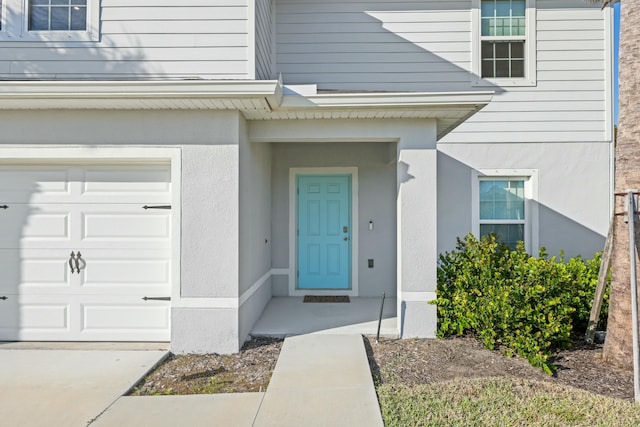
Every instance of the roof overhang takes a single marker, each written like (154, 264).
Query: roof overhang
(257, 100)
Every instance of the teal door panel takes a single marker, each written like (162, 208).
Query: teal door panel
(324, 231)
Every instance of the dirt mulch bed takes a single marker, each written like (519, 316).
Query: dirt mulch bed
(419, 361)
(247, 371)
(407, 361)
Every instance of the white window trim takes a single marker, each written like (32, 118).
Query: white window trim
(530, 177)
(530, 77)
(18, 29)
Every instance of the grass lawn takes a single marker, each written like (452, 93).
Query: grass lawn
(500, 402)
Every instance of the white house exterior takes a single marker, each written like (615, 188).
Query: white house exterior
(167, 167)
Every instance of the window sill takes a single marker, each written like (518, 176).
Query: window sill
(50, 36)
(504, 82)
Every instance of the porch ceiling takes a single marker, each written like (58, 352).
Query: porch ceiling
(256, 100)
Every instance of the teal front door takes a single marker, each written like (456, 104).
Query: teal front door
(324, 231)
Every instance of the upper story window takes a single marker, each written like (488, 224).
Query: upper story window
(502, 36)
(57, 15)
(50, 20)
(504, 42)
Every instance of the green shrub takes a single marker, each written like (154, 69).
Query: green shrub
(507, 297)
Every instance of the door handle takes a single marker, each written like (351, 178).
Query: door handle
(72, 258)
(78, 262)
(346, 238)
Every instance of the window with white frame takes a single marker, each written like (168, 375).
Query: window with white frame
(502, 33)
(50, 20)
(504, 38)
(504, 205)
(502, 209)
(57, 15)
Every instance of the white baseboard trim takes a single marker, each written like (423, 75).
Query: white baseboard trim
(227, 303)
(417, 296)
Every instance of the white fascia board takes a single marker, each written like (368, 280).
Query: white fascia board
(388, 100)
(62, 91)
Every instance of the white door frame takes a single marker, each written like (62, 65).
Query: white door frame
(293, 237)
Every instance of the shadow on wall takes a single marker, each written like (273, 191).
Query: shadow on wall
(14, 211)
(557, 232)
(344, 46)
(80, 60)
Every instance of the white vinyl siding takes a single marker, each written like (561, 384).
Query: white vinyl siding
(264, 30)
(375, 45)
(569, 100)
(143, 40)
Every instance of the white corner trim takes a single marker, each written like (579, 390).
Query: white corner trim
(251, 24)
(293, 241)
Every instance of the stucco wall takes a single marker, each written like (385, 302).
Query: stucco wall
(573, 191)
(255, 229)
(205, 297)
(377, 202)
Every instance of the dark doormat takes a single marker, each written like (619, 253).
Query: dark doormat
(326, 298)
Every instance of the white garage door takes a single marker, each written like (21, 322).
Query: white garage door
(81, 259)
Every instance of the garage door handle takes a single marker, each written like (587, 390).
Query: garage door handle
(73, 260)
(78, 262)
(3, 298)
(4, 207)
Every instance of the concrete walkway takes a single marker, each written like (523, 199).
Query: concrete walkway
(319, 380)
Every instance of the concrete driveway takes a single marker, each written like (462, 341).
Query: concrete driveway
(66, 387)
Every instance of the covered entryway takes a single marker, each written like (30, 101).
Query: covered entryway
(85, 250)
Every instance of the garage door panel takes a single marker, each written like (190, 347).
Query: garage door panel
(28, 184)
(34, 271)
(89, 318)
(114, 271)
(127, 184)
(22, 318)
(9, 318)
(25, 226)
(126, 226)
(124, 316)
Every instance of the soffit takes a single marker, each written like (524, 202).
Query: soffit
(256, 100)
